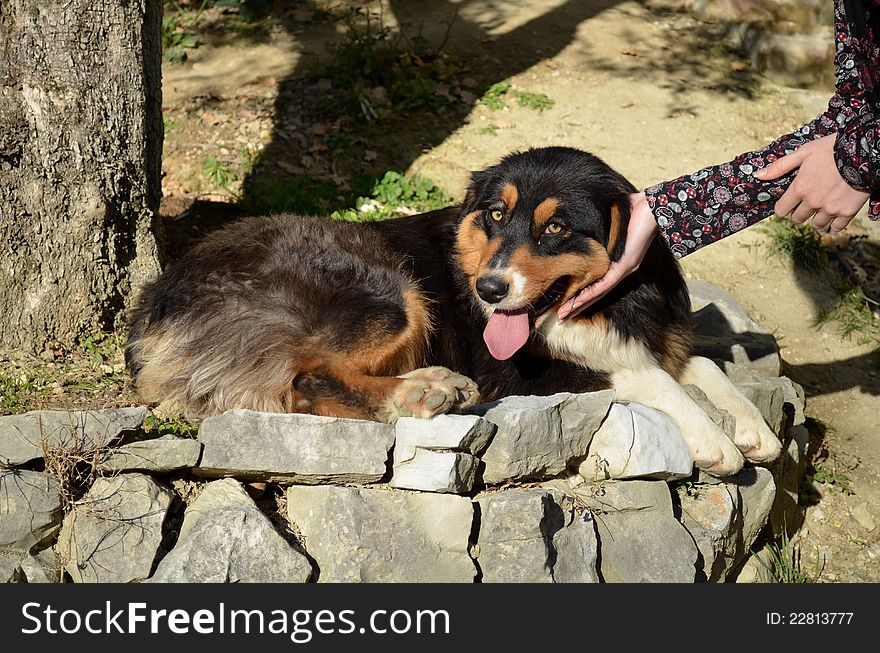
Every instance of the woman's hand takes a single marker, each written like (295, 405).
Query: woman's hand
(639, 235)
(818, 191)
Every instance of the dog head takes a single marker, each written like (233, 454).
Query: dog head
(536, 229)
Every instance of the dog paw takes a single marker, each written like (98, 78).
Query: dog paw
(714, 452)
(755, 439)
(466, 393)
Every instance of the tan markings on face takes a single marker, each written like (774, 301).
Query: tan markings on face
(540, 272)
(614, 229)
(473, 249)
(546, 210)
(509, 195)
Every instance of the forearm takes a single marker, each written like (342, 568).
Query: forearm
(698, 209)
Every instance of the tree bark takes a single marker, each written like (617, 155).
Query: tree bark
(80, 164)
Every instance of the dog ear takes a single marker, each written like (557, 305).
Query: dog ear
(618, 222)
(474, 191)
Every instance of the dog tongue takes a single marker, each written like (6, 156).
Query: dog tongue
(506, 333)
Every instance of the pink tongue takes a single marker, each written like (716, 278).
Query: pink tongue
(506, 333)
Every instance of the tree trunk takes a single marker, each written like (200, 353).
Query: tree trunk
(80, 164)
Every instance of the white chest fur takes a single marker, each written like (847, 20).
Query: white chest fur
(594, 345)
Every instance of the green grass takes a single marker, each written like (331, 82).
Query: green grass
(393, 195)
(781, 560)
(218, 173)
(534, 101)
(837, 480)
(855, 315)
(177, 426)
(800, 243)
(382, 73)
(491, 130)
(494, 98)
(17, 386)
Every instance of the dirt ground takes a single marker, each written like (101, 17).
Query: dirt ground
(649, 89)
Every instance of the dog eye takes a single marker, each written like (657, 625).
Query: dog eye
(496, 215)
(553, 228)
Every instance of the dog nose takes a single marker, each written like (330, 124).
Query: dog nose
(492, 289)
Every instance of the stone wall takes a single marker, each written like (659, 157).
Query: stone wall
(791, 41)
(566, 488)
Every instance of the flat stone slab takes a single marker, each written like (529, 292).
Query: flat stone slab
(538, 437)
(438, 454)
(525, 537)
(113, 533)
(226, 539)
(377, 535)
(635, 441)
(27, 436)
(30, 509)
(161, 455)
(294, 448)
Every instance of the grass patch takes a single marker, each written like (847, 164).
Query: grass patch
(217, 173)
(855, 315)
(800, 243)
(394, 195)
(157, 427)
(781, 560)
(494, 98)
(383, 72)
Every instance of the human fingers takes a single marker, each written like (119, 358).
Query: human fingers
(802, 213)
(841, 222)
(821, 220)
(789, 201)
(784, 165)
(592, 293)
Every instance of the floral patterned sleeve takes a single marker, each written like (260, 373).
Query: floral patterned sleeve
(698, 209)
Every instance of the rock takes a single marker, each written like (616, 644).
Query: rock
(436, 471)
(793, 401)
(788, 470)
(514, 533)
(538, 436)
(640, 540)
(384, 536)
(113, 533)
(636, 441)
(769, 399)
(863, 516)
(723, 420)
(709, 514)
(757, 492)
(10, 565)
(25, 437)
(30, 509)
(753, 571)
(524, 538)
(226, 539)
(467, 433)
(577, 548)
(725, 333)
(437, 454)
(161, 455)
(44, 567)
(294, 448)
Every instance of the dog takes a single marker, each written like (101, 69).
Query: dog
(411, 316)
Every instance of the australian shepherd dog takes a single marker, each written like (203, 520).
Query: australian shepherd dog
(425, 314)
